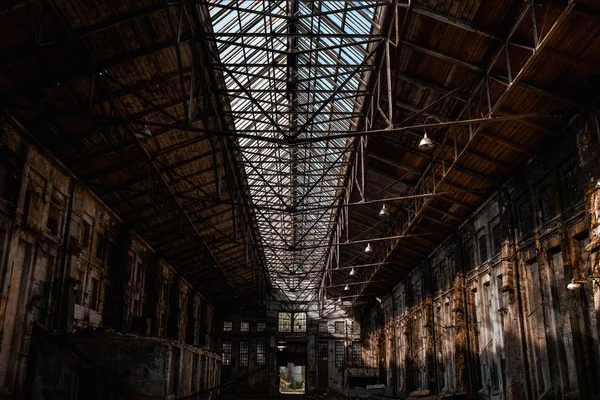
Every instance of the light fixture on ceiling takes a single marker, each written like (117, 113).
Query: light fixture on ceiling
(574, 285)
(426, 143)
(384, 212)
(368, 249)
(145, 131)
(346, 288)
(352, 272)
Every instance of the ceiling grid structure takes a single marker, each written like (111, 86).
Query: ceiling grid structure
(295, 70)
(250, 141)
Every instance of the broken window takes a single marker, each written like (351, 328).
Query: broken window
(285, 322)
(226, 356)
(339, 326)
(261, 352)
(227, 326)
(300, 322)
(245, 326)
(244, 353)
(340, 353)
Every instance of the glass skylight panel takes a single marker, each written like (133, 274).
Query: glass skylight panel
(292, 70)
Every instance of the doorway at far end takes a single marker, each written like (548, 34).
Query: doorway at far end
(292, 378)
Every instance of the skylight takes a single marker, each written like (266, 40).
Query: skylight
(295, 70)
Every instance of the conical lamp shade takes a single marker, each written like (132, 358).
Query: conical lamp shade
(426, 143)
(384, 212)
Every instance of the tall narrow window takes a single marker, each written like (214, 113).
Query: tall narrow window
(55, 213)
(300, 322)
(227, 326)
(95, 294)
(86, 230)
(483, 250)
(261, 326)
(100, 246)
(261, 352)
(339, 326)
(245, 326)
(340, 353)
(323, 351)
(244, 353)
(547, 205)
(285, 322)
(356, 354)
(470, 257)
(226, 352)
(496, 239)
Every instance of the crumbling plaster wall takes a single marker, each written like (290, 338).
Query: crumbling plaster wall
(488, 314)
(67, 265)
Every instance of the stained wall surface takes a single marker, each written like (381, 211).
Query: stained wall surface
(85, 304)
(489, 314)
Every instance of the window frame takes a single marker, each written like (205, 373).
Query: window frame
(340, 353)
(356, 352)
(261, 352)
(323, 350)
(284, 325)
(226, 352)
(483, 250)
(300, 324)
(244, 353)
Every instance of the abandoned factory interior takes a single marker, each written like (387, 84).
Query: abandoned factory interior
(328, 199)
